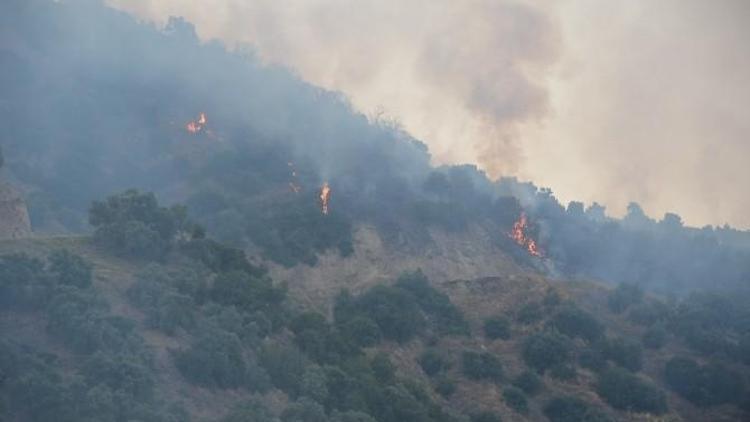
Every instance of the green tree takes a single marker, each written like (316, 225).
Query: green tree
(623, 296)
(433, 362)
(625, 391)
(573, 409)
(497, 327)
(575, 322)
(516, 400)
(482, 366)
(529, 382)
(545, 350)
(70, 269)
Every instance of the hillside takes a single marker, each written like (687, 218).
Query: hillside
(199, 236)
(448, 360)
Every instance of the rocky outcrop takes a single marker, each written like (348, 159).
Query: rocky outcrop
(14, 216)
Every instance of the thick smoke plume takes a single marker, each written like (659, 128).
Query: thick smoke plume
(602, 101)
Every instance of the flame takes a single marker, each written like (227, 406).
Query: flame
(197, 125)
(325, 196)
(518, 234)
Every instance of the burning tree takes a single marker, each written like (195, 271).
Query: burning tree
(520, 236)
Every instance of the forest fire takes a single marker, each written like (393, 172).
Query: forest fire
(198, 125)
(518, 234)
(325, 196)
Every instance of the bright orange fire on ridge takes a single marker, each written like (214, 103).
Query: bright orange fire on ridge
(518, 234)
(198, 125)
(325, 196)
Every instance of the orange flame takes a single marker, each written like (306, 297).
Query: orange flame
(518, 234)
(198, 125)
(325, 196)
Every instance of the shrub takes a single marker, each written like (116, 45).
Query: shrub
(654, 337)
(625, 391)
(623, 296)
(573, 409)
(285, 365)
(546, 349)
(433, 362)
(592, 358)
(134, 225)
(529, 382)
(497, 327)
(530, 313)
(482, 366)
(23, 282)
(395, 311)
(563, 372)
(485, 417)
(624, 352)
(703, 385)
(382, 368)
(246, 292)
(445, 316)
(70, 269)
(650, 313)
(361, 331)
(516, 400)
(575, 322)
(445, 386)
(253, 410)
(351, 416)
(304, 410)
(216, 359)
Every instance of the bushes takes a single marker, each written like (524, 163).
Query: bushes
(400, 312)
(546, 349)
(485, 417)
(516, 400)
(216, 359)
(497, 327)
(24, 283)
(575, 322)
(133, 224)
(395, 311)
(573, 409)
(529, 382)
(623, 296)
(445, 317)
(70, 269)
(625, 391)
(482, 366)
(433, 362)
(626, 353)
(654, 337)
(703, 385)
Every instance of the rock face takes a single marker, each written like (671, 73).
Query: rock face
(14, 216)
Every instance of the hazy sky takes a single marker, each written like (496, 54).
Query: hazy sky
(608, 101)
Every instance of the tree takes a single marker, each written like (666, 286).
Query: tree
(516, 400)
(497, 327)
(545, 350)
(529, 382)
(482, 366)
(624, 352)
(625, 391)
(70, 269)
(433, 362)
(134, 225)
(623, 296)
(575, 322)
(573, 409)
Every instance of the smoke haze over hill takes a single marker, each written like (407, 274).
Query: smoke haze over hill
(602, 101)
